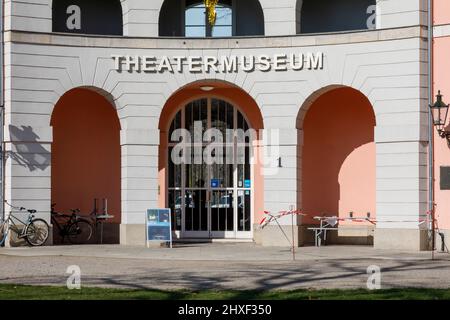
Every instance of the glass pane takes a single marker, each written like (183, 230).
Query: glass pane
(243, 167)
(247, 164)
(189, 211)
(230, 212)
(218, 169)
(196, 114)
(224, 16)
(195, 15)
(244, 222)
(222, 116)
(174, 172)
(195, 21)
(196, 174)
(176, 124)
(188, 120)
(229, 116)
(201, 114)
(196, 211)
(175, 205)
(228, 166)
(222, 211)
(222, 31)
(195, 32)
(203, 105)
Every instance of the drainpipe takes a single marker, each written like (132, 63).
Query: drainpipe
(2, 109)
(431, 126)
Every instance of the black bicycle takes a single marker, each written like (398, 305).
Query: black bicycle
(72, 226)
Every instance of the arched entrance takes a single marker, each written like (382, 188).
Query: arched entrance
(211, 183)
(338, 160)
(86, 156)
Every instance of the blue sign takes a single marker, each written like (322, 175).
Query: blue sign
(247, 184)
(215, 183)
(159, 226)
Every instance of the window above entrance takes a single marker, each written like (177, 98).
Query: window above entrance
(196, 20)
(321, 16)
(100, 17)
(189, 18)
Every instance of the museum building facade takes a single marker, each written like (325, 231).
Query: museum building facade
(103, 98)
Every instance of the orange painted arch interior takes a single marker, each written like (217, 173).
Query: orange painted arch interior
(86, 153)
(338, 156)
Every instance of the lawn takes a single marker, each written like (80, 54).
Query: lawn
(19, 292)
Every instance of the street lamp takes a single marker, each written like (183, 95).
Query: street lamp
(439, 112)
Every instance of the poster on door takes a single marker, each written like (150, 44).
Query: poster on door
(158, 226)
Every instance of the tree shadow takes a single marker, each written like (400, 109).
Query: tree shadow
(244, 278)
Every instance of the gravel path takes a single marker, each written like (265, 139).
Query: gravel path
(139, 268)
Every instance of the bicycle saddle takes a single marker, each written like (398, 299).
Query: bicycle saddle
(32, 211)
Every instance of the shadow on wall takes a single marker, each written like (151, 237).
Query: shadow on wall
(29, 152)
(338, 168)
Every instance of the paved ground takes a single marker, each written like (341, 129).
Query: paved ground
(219, 266)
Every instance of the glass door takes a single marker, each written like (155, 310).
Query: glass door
(210, 199)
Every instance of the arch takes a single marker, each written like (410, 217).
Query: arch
(337, 155)
(317, 16)
(86, 154)
(222, 91)
(247, 18)
(98, 17)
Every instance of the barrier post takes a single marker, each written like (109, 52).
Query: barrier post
(293, 232)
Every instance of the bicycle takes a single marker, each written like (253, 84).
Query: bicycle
(76, 228)
(35, 232)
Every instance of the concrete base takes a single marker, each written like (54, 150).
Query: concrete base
(443, 244)
(346, 235)
(354, 235)
(272, 236)
(111, 233)
(402, 239)
(132, 235)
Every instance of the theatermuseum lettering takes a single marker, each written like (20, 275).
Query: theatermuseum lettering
(221, 64)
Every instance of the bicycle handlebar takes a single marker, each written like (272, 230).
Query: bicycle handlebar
(19, 208)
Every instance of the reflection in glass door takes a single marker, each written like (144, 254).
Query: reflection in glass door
(210, 200)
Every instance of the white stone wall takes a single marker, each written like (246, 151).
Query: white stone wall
(140, 17)
(388, 66)
(400, 13)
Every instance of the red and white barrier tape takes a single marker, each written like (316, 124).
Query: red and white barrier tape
(270, 217)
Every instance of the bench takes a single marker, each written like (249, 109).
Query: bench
(318, 231)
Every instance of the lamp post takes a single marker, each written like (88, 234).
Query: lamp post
(439, 112)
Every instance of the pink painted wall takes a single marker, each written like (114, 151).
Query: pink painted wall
(441, 10)
(441, 81)
(338, 169)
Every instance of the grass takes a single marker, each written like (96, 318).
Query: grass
(21, 292)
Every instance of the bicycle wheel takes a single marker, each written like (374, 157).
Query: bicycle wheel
(4, 228)
(79, 232)
(37, 232)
